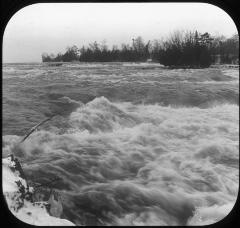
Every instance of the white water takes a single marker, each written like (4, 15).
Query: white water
(137, 163)
(172, 159)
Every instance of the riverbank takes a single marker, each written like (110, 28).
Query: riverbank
(19, 198)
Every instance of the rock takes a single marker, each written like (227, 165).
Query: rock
(21, 201)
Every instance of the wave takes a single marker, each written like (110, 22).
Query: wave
(101, 115)
(135, 164)
(210, 215)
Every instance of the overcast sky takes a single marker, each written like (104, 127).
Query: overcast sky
(51, 27)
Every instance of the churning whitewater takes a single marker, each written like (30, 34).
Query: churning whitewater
(131, 144)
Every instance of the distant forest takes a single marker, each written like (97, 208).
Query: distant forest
(180, 49)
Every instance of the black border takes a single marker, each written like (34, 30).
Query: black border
(10, 7)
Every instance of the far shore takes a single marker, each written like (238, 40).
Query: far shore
(119, 62)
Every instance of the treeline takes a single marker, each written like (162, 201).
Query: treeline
(226, 50)
(186, 50)
(95, 52)
(180, 49)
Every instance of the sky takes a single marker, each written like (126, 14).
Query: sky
(51, 27)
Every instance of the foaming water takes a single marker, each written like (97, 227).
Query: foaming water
(126, 162)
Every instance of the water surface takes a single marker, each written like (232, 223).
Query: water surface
(133, 143)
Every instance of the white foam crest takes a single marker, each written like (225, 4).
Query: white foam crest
(210, 215)
(232, 72)
(188, 152)
(149, 218)
(100, 115)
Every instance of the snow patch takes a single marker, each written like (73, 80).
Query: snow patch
(18, 197)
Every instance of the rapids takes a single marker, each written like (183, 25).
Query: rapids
(132, 144)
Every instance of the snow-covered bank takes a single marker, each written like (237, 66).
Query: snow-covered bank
(18, 195)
